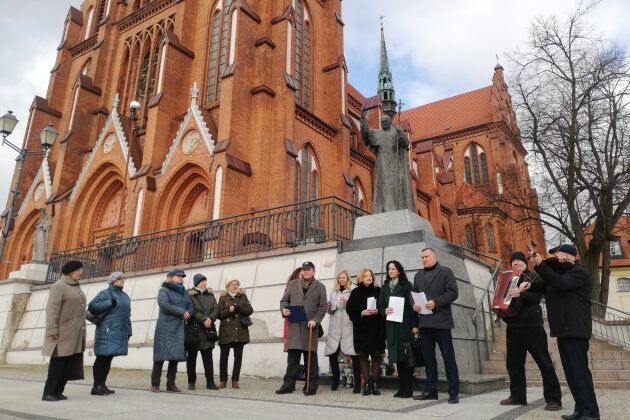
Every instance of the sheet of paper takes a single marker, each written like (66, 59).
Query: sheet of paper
(371, 303)
(398, 304)
(421, 299)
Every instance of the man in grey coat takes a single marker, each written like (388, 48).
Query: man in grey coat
(311, 294)
(440, 287)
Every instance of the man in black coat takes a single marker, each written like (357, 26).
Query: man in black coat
(525, 333)
(568, 299)
(440, 287)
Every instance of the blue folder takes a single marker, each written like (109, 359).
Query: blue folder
(298, 314)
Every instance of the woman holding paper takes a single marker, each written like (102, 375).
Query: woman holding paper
(368, 328)
(395, 304)
(340, 332)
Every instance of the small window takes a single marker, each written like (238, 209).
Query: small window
(623, 284)
(490, 237)
(470, 240)
(615, 249)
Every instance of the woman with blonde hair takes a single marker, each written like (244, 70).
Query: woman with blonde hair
(368, 328)
(234, 312)
(340, 331)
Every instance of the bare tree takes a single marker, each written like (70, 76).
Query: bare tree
(572, 90)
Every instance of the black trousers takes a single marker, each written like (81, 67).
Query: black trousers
(336, 372)
(574, 356)
(60, 370)
(533, 340)
(171, 372)
(429, 337)
(100, 370)
(238, 360)
(293, 369)
(208, 368)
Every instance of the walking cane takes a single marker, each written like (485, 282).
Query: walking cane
(308, 357)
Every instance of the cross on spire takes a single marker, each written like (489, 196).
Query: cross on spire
(381, 19)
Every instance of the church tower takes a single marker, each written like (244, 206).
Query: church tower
(385, 81)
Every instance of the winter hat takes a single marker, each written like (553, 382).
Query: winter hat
(230, 280)
(518, 255)
(115, 276)
(71, 266)
(566, 248)
(198, 278)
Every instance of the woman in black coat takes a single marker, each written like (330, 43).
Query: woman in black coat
(368, 328)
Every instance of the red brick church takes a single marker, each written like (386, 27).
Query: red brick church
(244, 106)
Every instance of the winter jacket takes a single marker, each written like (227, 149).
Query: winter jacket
(112, 336)
(526, 307)
(65, 318)
(440, 286)
(339, 325)
(568, 298)
(398, 333)
(315, 305)
(368, 331)
(205, 306)
(231, 329)
(168, 341)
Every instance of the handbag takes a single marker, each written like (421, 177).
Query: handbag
(413, 353)
(191, 335)
(97, 319)
(246, 321)
(212, 334)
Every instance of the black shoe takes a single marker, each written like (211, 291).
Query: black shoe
(212, 386)
(403, 394)
(335, 385)
(62, 397)
(573, 416)
(284, 390)
(50, 398)
(367, 389)
(426, 396)
(397, 394)
(310, 392)
(109, 391)
(191, 387)
(453, 400)
(356, 390)
(99, 390)
(375, 390)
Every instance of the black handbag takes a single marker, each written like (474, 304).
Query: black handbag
(212, 334)
(246, 321)
(413, 353)
(97, 319)
(191, 335)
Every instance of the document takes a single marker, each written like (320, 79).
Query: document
(371, 303)
(398, 304)
(421, 299)
(298, 314)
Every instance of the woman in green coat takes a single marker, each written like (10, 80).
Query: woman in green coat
(398, 333)
(206, 312)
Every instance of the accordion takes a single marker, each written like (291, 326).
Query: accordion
(502, 300)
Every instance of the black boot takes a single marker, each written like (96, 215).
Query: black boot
(335, 383)
(375, 390)
(367, 387)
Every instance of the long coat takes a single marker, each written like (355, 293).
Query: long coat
(339, 326)
(205, 306)
(65, 318)
(112, 336)
(368, 331)
(568, 298)
(168, 341)
(315, 305)
(398, 333)
(231, 330)
(440, 286)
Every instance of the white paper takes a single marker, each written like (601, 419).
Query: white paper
(398, 305)
(421, 299)
(371, 303)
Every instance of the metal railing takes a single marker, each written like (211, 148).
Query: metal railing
(482, 310)
(308, 222)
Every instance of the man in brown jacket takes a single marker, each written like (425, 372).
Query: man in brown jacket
(65, 332)
(311, 294)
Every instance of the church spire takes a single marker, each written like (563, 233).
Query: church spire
(385, 80)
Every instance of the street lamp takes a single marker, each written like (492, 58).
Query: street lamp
(47, 138)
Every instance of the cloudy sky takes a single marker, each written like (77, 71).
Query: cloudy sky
(437, 48)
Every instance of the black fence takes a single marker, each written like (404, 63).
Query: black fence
(314, 221)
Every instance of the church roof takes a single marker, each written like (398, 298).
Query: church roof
(451, 114)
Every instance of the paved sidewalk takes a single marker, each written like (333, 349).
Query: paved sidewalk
(21, 388)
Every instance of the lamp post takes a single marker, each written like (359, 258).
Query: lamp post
(134, 106)
(47, 138)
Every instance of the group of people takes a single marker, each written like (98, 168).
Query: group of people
(566, 287)
(363, 324)
(110, 310)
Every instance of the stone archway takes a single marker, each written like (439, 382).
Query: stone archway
(22, 243)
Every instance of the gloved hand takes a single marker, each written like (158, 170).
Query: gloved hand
(114, 303)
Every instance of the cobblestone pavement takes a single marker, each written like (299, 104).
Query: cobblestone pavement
(21, 387)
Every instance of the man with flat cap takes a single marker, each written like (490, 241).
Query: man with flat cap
(568, 300)
(65, 331)
(526, 333)
(311, 295)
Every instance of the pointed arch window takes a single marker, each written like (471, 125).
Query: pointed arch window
(476, 166)
(307, 175)
(88, 26)
(358, 195)
(219, 44)
(499, 183)
(144, 74)
(492, 246)
(218, 183)
(470, 238)
(303, 42)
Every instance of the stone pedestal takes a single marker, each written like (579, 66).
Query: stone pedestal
(34, 271)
